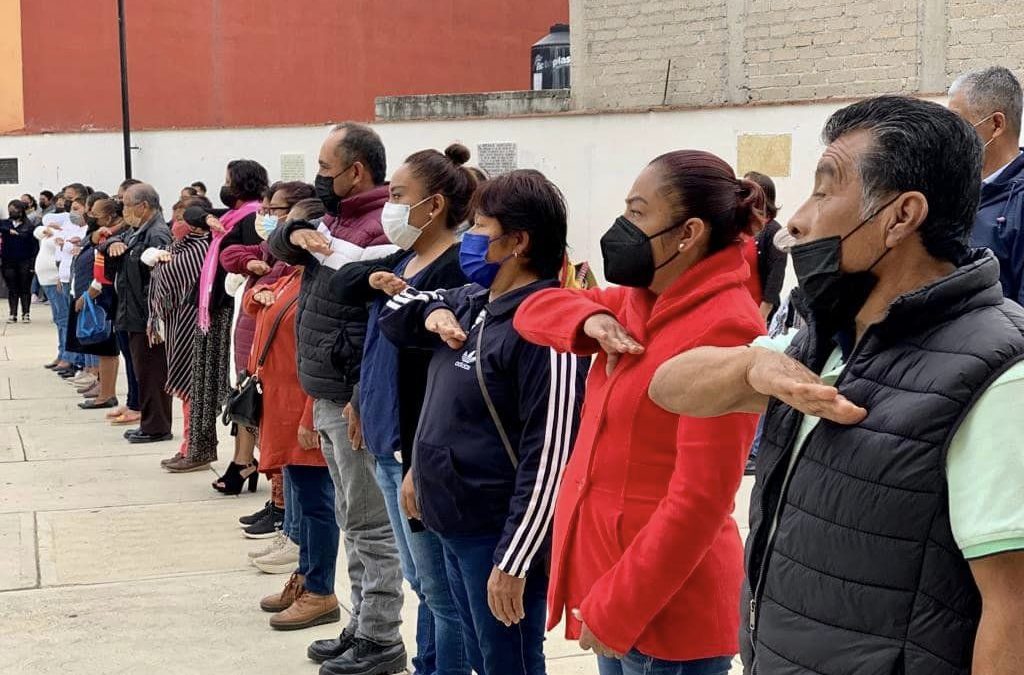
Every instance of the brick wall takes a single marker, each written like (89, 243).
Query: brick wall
(643, 53)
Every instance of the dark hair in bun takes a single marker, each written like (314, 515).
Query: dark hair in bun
(457, 153)
(444, 174)
(703, 185)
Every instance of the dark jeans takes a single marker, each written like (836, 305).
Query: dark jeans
(129, 371)
(493, 648)
(18, 277)
(635, 663)
(313, 492)
(151, 368)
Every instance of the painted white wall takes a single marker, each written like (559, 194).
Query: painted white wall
(592, 158)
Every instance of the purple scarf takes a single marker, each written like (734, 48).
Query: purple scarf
(210, 264)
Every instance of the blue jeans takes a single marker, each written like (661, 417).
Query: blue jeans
(129, 371)
(292, 527)
(59, 308)
(80, 360)
(756, 445)
(318, 549)
(635, 663)
(493, 648)
(440, 647)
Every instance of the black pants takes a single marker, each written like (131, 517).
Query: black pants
(151, 372)
(18, 277)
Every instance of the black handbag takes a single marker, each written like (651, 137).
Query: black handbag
(244, 404)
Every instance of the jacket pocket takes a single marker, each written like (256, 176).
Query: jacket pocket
(439, 488)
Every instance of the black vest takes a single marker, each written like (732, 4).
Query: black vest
(862, 574)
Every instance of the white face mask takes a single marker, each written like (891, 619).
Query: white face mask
(395, 220)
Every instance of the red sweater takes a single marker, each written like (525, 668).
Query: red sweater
(644, 540)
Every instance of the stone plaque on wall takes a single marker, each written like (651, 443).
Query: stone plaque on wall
(769, 154)
(497, 158)
(293, 167)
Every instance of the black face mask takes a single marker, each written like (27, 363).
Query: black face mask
(628, 255)
(229, 196)
(324, 186)
(831, 294)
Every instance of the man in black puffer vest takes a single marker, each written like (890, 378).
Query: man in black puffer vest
(886, 528)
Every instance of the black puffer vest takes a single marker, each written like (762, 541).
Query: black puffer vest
(330, 336)
(862, 574)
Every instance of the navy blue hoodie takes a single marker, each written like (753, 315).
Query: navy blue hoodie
(998, 226)
(465, 480)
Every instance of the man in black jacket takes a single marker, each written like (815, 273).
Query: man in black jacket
(124, 254)
(329, 335)
(886, 526)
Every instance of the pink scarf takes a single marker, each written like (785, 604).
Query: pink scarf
(212, 261)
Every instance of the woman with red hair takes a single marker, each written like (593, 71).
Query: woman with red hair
(647, 560)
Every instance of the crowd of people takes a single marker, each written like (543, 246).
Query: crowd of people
(428, 381)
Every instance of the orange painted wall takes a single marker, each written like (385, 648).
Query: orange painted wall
(224, 63)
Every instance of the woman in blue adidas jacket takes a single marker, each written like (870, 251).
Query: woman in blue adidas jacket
(486, 466)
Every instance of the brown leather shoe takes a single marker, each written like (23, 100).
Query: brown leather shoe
(186, 465)
(171, 460)
(309, 609)
(278, 602)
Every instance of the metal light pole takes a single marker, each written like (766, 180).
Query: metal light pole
(126, 126)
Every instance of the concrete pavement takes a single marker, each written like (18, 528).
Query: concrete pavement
(110, 565)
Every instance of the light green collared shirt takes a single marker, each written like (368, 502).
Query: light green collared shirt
(984, 465)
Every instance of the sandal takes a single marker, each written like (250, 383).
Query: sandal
(130, 417)
(117, 412)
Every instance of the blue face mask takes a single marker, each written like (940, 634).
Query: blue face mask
(473, 259)
(265, 225)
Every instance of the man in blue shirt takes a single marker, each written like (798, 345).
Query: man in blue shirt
(990, 99)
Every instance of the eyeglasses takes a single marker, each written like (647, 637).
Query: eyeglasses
(268, 210)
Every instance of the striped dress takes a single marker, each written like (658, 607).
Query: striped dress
(172, 305)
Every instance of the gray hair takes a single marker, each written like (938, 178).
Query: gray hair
(143, 193)
(362, 144)
(991, 90)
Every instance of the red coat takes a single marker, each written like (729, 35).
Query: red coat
(644, 540)
(285, 405)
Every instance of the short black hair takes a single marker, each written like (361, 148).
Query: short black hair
(47, 194)
(32, 203)
(362, 144)
(249, 179)
(95, 197)
(190, 191)
(80, 190)
(526, 201)
(918, 146)
(200, 185)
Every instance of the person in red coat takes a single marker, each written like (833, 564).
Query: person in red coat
(647, 559)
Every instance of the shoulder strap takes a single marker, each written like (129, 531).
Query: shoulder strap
(273, 332)
(487, 396)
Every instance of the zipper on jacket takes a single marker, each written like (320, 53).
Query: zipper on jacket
(758, 590)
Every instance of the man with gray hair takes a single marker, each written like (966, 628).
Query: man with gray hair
(990, 100)
(123, 256)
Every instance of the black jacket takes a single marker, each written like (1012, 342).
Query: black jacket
(351, 285)
(466, 481)
(771, 265)
(131, 280)
(18, 244)
(851, 562)
(329, 332)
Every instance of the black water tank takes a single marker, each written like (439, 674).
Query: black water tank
(550, 59)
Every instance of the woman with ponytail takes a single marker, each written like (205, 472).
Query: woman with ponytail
(647, 559)
(429, 198)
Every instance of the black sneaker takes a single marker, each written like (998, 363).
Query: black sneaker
(252, 519)
(368, 658)
(25, 318)
(267, 526)
(325, 650)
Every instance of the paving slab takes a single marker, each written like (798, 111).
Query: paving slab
(141, 542)
(100, 482)
(45, 442)
(17, 552)
(10, 445)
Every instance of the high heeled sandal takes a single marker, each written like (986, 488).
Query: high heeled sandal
(236, 476)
